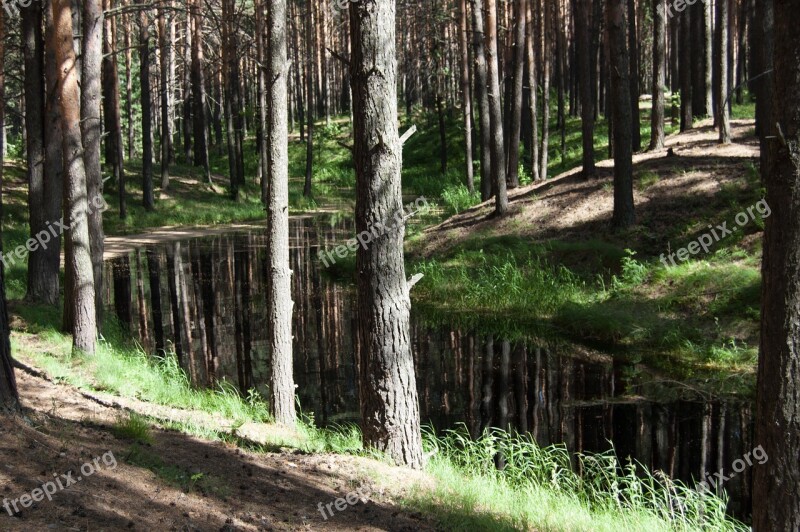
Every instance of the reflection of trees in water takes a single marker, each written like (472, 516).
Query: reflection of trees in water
(217, 323)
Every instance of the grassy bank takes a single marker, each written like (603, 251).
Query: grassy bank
(537, 489)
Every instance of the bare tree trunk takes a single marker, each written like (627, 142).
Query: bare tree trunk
(309, 99)
(466, 100)
(387, 384)
(76, 206)
(620, 109)
(261, 79)
(481, 94)
(111, 112)
(533, 84)
(659, 73)
(763, 55)
(9, 399)
(199, 92)
(776, 482)
(685, 69)
(147, 118)
(516, 94)
(633, 51)
(166, 130)
(495, 111)
(723, 37)
(92, 131)
(42, 271)
(129, 85)
(279, 297)
(187, 87)
(547, 52)
(584, 13)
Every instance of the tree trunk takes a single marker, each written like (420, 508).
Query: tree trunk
(9, 399)
(620, 109)
(584, 13)
(199, 93)
(633, 51)
(723, 111)
(685, 69)
(279, 296)
(387, 385)
(309, 99)
(261, 80)
(111, 112)
(92, 131)
(776, 483)
(516, 93)
(481, 94)
(147, 119)
(76, 206)
(533, 84)
(495, 112)
(466, 100)
(765, 44)
(42, 270)
(659, 74)
(166, 130)
(547, 52)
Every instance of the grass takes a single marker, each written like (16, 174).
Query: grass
(134, 427)
(537, 489)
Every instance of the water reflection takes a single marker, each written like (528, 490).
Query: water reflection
(205, 299)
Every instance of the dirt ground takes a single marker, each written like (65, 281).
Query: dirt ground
(230, 489)
(571, 207)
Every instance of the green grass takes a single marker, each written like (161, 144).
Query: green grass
(134, 427)
(537, 489)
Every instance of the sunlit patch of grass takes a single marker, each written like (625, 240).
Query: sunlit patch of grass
(538, 489)
(133, 427)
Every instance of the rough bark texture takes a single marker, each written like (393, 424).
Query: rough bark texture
(533, 83)
(583, 25)
(309, 100)
(685, 69)
(166, 130)
(547, 51)
(42, 270)
(466, 99)
(496, 144)
(633, 52)
(481, 95)
(621, 110)
(387, 384)
(659, 75)
(9, 399)
(764, 43)
(111, 112)
(92, 131)
(723, 112)
(279, 296)
(199, 93)
(776, 483)
(147, 115)
(515, 120)
(78, 254)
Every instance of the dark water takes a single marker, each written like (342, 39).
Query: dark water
(205, 298)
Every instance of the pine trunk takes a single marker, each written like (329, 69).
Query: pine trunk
(496, 144)
(387, 384)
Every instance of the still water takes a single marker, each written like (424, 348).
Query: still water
(205, 299)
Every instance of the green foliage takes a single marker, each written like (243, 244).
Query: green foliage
(538, 489)
(134, 427)
(457, 198)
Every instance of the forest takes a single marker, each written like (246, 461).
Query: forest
(400, 265)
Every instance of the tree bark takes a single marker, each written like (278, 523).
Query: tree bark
(533, 84)
(776, 483)
(723, 112)
(92, 132)
(584, 14)
(633, 51)
(199, 92)
(495, 112)
(78, 254)
(466, 100)
(685, 69)
(547, 52)
(111, 112)
(481, 94)
(659, 74)
(279, 296)
(9, 398)
(516, 93)
(309, 99)
(42, 270)
(621, 110)
(147, 118)
(166, 129)
(387, 385)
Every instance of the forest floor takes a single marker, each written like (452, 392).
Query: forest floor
(554, 266)
(173, 481)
